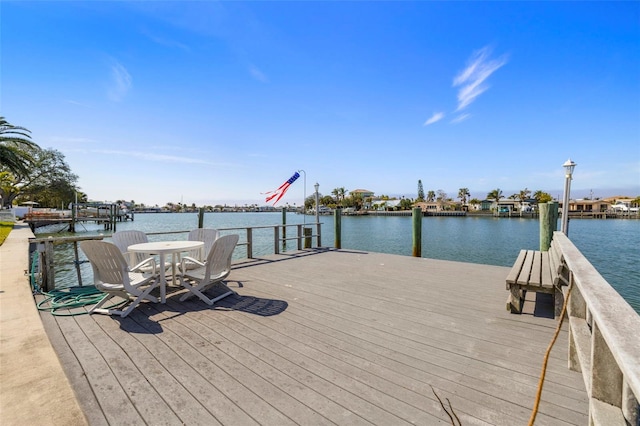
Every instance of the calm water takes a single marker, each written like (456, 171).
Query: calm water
(610, 245)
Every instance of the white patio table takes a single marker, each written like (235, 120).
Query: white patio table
(162, 248)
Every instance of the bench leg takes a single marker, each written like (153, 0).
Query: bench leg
(558, 301)
(514, 301)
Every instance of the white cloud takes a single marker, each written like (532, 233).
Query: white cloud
(473, 77)
(165, 41)
(120, 82)
(149, 156)
(437, 116)
(460, 118)
(258, 75)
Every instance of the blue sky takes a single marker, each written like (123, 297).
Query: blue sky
(217, 102)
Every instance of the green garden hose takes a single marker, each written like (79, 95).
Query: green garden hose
(62, 302)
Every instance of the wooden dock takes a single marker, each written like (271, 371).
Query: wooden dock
(326, 337)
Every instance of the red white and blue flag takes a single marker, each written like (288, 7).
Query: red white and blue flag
(278, 193)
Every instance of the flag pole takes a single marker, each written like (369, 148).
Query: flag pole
(304, 199)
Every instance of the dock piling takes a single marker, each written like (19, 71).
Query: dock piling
(416, 216)
(337, 220)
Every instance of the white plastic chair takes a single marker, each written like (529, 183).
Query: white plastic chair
(196, 258)
(124, 239)
(113, 276)
(216, 269)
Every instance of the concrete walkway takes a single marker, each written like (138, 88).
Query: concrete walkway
(33, 387)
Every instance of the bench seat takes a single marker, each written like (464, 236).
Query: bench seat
(538, 271)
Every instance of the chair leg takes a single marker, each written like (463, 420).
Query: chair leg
(142, 296)
(194, 291)
(96, 308)
(199, 292)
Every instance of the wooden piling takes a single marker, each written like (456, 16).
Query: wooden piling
(548, 223)
(201, 217)
(555, 215)
(545, 227)
(416, 216)
(337, 220)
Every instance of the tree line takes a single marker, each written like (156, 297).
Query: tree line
(340, 199)
(31, 173)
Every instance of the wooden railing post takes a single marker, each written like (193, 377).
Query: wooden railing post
(276, 240)
(49, 272)
(606, 377)
(77, 262)
(284, 229)
(299, 236)
(249, 243)
(307, 237)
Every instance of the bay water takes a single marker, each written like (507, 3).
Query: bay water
(612, 246)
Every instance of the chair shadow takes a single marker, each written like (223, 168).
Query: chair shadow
(235, 302)
(252, 305)
(139, 321)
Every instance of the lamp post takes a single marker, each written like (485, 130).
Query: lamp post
(568, 171)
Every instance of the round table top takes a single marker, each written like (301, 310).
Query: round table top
(165, 246)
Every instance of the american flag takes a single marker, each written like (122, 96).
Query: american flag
(278, 193)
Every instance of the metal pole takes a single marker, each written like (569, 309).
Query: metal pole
(316, 186)
(565, 205)
(568, 171)
(304, 199)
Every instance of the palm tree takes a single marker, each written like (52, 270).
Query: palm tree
(339, 194)
(463, 193)
(542, 197)
(523, 195)
(431, 196)
(496, 194)
(13, 142)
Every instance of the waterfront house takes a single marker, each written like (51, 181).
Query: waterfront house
(384, 205)
(589, 206)
(364, 193)
(430, 206)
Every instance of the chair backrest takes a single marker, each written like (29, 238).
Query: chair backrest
(108, 263)
(219, 258)
(124, 239)
(208, 236)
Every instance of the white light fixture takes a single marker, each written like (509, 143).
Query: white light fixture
(569, 166)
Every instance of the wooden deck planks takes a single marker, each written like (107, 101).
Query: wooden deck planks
(333, 337)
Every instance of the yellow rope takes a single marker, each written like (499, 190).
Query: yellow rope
(532, 419)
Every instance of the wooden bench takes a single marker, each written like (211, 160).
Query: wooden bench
(538, 271)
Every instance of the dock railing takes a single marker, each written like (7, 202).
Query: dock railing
(604, 341)
(45, 245)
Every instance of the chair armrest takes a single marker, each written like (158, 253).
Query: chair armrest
(145, 264)
(188, 259)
